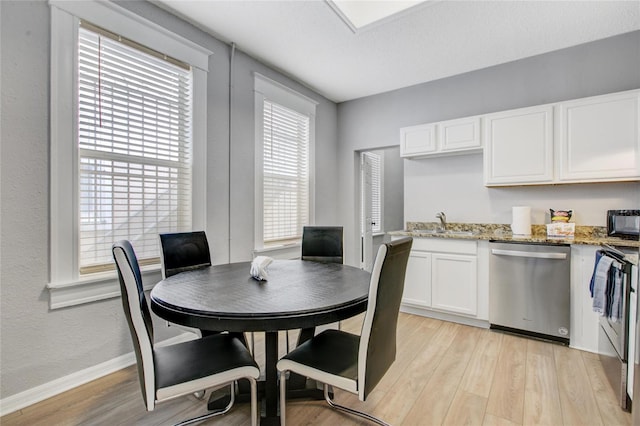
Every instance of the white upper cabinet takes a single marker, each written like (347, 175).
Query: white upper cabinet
(417, 140)
(450, 137)
(459, 135)
(519, 146)
(598, 138)
(592, 139)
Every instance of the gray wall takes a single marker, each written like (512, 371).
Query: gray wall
(393, 189)
(39, 345)
(454, 184)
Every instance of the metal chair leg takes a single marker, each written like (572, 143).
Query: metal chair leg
(283, 397)
(217, 412)
(350, 410)
(254, 401)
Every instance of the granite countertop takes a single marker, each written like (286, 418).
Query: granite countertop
(590, 235)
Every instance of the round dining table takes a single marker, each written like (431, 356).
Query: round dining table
(297, 294)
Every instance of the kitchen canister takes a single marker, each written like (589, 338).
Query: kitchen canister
(521, 221)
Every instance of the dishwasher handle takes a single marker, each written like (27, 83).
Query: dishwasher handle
(536, 255)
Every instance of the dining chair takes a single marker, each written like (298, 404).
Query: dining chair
(185, 368)
(186, 251)
(183, 251)
(322, 244)
(348, 361)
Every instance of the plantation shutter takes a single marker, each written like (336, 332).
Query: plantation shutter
(376, 192)
(285, 173)
(134, 144)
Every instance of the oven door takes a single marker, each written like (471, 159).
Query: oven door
(614, 367)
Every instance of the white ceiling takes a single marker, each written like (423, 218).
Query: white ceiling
(308, 41)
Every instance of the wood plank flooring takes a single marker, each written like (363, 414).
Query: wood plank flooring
(444, 374)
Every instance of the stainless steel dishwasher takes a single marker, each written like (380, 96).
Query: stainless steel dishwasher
(530, 289)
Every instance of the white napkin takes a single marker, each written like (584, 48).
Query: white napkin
(259, 267)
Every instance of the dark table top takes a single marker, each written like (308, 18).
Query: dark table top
(297, 294)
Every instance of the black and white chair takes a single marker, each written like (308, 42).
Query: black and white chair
(186, 251)
(347, 361)
(183, 251)
(322, 243)
(185, 368)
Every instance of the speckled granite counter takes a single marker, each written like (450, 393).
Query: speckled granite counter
(590, 235)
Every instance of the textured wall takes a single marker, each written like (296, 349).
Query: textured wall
(454, 184)
(38, 345)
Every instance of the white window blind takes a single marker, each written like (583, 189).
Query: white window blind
(285, 173)
(135, 150)
(376, 191)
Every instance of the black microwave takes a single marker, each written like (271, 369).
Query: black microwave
(623, 224)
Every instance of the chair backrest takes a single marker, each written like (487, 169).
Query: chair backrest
(183, 251)
(377, 349)
(138, 316)
(322, 244)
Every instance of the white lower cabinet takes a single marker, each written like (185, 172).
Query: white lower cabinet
(417, 282)
(447, 279)
(584, 322)
(454, 283)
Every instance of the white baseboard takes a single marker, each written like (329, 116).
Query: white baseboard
(55, 387)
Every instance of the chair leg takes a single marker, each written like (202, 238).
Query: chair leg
(254, 400)
(283, 397)
(350, 410)
(213, 413)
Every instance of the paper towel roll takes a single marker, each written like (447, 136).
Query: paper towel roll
(521, 221)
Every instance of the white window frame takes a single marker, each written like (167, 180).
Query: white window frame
(66, 286)
(266, 88)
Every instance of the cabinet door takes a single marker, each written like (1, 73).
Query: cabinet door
(454, 283)
(417, 140)
(417, 282)
(518, 146)
(457, 135)
(598, 138)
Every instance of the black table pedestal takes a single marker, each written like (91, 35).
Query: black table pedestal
(298, 387)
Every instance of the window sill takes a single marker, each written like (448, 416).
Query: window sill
(287, 251)
(98, 287)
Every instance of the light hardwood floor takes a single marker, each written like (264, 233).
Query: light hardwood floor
(444, 374)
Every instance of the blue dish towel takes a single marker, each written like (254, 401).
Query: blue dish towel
(599, 285)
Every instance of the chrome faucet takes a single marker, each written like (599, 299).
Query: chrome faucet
(443, 221)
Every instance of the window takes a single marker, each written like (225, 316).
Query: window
(375, 162)
(285, 173)
(284, 126)
(134, 145)
(128, 136)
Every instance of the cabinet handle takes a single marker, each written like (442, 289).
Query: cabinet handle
(516, 253)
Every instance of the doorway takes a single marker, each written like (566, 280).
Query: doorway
(381, 200)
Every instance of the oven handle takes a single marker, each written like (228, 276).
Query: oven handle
(517, 253)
